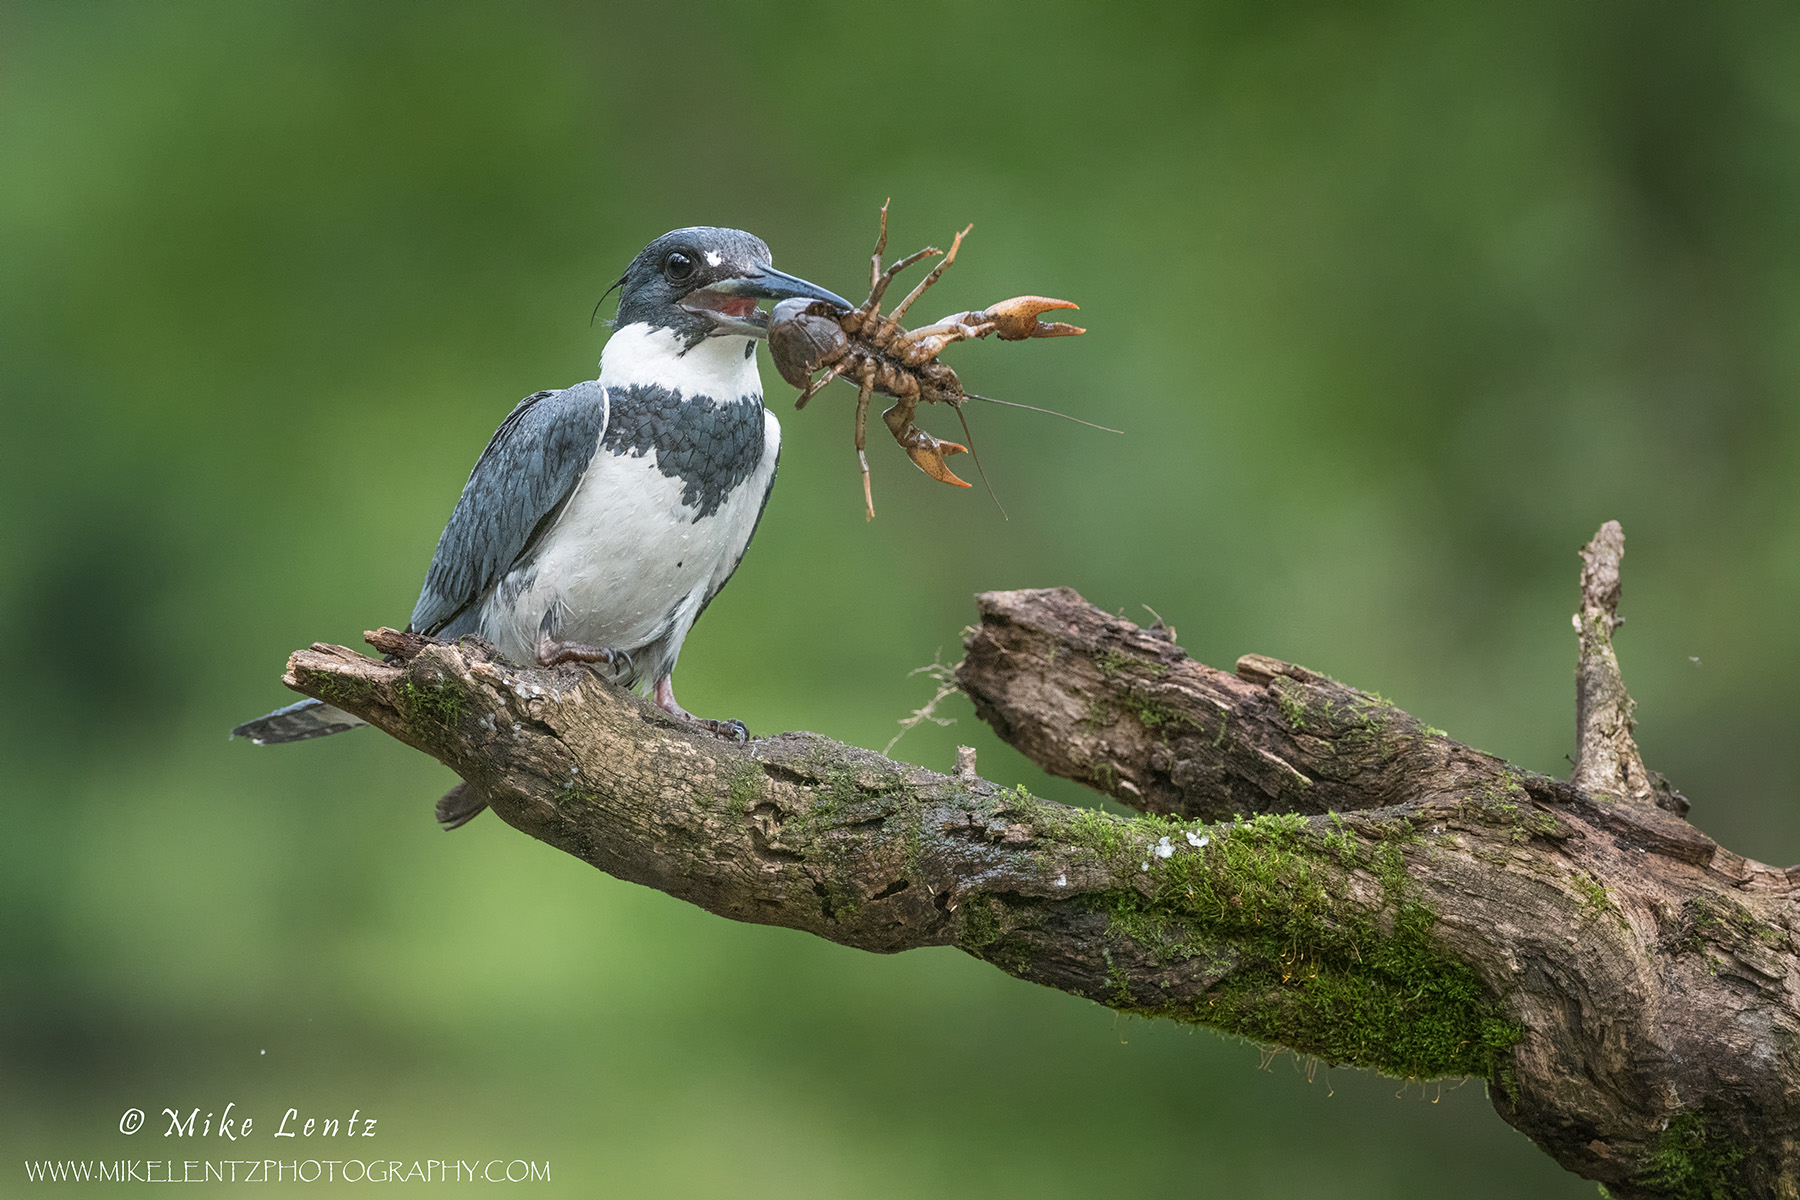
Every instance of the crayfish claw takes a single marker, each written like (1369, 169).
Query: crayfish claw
(1017, 319)
(930, 454)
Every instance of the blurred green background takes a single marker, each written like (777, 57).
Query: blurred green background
(1395, 303)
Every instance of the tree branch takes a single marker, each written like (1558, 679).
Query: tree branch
(1388, 898)
(1607, 762)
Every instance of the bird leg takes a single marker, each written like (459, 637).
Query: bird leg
(550, 652)
(733, 730)
(554, 654)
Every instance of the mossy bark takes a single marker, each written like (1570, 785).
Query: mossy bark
(1651, 975)
(1387, 897)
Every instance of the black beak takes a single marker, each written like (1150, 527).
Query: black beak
(723, 301)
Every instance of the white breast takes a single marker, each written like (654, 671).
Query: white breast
(723, 367)
(626, 565)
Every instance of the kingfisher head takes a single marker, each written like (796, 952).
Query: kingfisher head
(704, 281)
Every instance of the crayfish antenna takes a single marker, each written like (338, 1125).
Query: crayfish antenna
(1048, 411)
(979, 469)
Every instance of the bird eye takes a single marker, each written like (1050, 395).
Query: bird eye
(678, 266)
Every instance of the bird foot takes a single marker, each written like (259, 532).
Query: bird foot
(733, 730)
(551, 653)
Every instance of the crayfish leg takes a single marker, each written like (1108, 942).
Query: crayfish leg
(880, 246)
(862, 435)
(927, 452)
(925, 343)
(879, 288)
(932, 278)
(812, 389)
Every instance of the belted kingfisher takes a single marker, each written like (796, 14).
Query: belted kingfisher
(603, 518)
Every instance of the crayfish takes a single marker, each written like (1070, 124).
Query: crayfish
(880, 355)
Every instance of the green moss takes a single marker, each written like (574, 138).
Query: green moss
(441, 705)
(1169, 937)
(1690, 1162)
(1120, 981)
(1338, 840)
(817, 829)
(1108, 836)
(1312, 972)
(980, 925)
(999, 932)
(1596, 901)
(1505, 802)
(748, 786)
(1159, 719)
(834, 791)
(1744, 924)
(1293, 709)
(1099, 714)
(345, 691)
(1112, 663)
(1019, 802)
(915, 838)
(1725, 922)
(1506, 1078)
(1155, 716)
(1368, 726)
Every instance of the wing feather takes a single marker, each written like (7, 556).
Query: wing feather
(519, 484)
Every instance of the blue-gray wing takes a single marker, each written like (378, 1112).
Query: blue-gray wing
(518, 486)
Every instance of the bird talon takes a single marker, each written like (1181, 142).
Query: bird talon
(552, 653)
(733, 730)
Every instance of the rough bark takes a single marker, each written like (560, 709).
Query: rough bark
(1607, 761)
(1314, 868)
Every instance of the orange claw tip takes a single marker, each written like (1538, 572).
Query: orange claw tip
(930, 459)
(1033, 305)
(1017, 319)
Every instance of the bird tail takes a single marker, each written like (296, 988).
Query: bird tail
(460, 805)
(297, 722)
(315, 718)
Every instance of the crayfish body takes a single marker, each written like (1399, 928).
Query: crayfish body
(881, 355)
